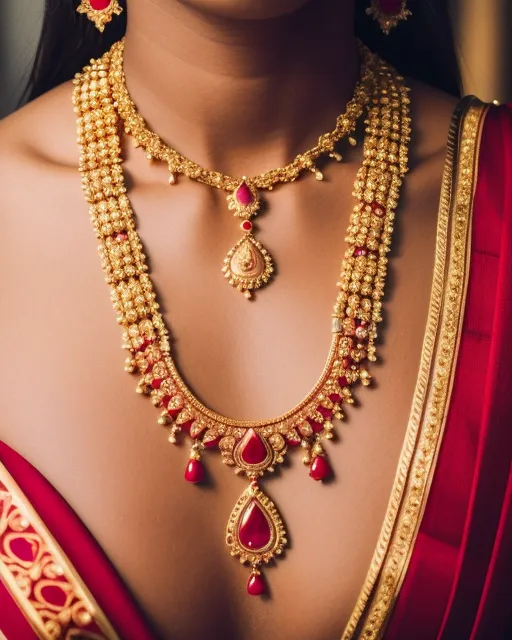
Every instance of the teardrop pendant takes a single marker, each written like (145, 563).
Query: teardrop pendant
(248, 265)
(255, 531)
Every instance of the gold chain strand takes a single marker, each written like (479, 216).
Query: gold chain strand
(154, 146)
(255, 532)
(248, 265)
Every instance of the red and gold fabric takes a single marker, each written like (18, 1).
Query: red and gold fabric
(442, 567)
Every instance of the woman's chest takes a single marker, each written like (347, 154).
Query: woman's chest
(72, 411)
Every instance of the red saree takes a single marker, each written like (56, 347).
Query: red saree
(442, 568)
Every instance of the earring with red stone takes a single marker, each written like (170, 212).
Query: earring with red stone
(100, 11)
(388, 13)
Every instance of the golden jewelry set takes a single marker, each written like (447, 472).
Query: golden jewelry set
(255, 531)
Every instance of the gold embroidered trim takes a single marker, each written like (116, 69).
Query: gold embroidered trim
(32, 562)
(434, 383)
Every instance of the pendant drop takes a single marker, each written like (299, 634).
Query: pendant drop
(248, 265)
(255, 533)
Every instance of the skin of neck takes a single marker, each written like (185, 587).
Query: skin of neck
(240, 95)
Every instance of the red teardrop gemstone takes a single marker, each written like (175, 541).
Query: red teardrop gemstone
(256, 585)
(194, 472)
(252, 448)
(99, 5)
(390, 7)
(254, 531)
(156, 383)
(244, 195)
(320, 468)
(174, 413)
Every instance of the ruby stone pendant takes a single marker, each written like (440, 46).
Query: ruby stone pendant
(248, 265)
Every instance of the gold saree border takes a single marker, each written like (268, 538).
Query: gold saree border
(434, 383)
(25, 580)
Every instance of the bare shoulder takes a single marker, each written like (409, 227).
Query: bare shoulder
(39, 137)
(431, 111)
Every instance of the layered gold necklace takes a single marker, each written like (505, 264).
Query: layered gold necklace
(255, 531)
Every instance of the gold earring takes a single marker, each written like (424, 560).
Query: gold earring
(388, 13)
(100, 11)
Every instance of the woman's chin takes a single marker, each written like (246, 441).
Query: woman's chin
(246, 9)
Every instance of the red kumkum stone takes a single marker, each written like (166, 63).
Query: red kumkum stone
(316, 426)
(256, 585)
(244, 195)
(194, 472)
(327, 413)
(100, 5)
(254, 531)
(156, 383)
(252, 448)
(342, 381)
(378, 210)
(209, 444)
(246, 225)
(320, 468)
(390, 7)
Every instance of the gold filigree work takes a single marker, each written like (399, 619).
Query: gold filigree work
(433, 388)
(358, 306)
(100, 17)
(40, 578)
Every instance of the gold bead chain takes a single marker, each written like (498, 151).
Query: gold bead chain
(252, 448)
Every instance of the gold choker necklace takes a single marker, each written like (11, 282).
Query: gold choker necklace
(255, 531)
(248, 265)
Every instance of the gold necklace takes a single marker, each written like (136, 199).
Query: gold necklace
(248, 265)
(255, 531)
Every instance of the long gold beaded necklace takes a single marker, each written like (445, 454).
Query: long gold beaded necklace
(255, 531)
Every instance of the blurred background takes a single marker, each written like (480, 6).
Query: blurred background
(483, 31)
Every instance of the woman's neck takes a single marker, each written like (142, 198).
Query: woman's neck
(240, 96)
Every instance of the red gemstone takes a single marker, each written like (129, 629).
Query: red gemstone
(254, 532)
(316, 426)
(186, 425)
(121, 236)
(165, 401)
(209, 444)
(244, 195)
(145, 344)
(390, 7)
(194, 472)
(174, 413)
(157, 383)
(252, 448)
(360, 251)
(342, 381)
(376, 207)
(149, 368)
(246, 225)
(293, 442)
(335, 397)
(99, 5)
(320, 468)
(347, 362)
(256, 585)
(327, 413)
